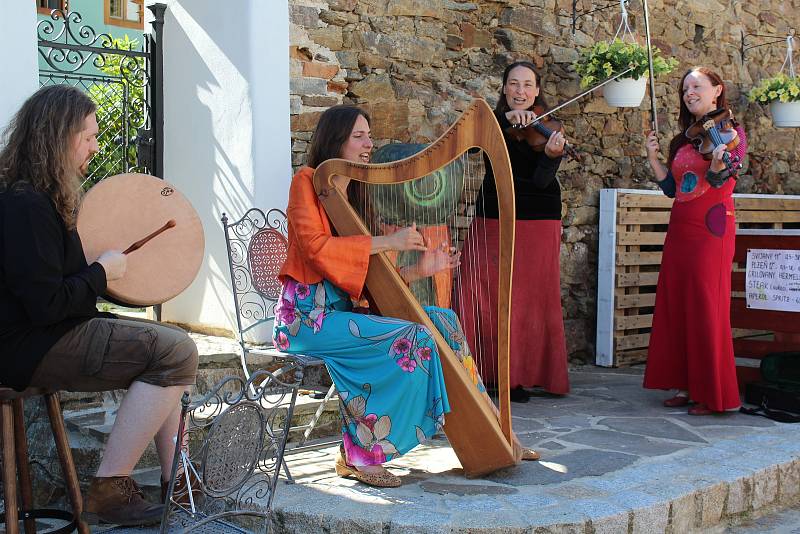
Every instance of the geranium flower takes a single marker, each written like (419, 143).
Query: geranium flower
(423, 353)
(285, 312)
(407, 364)
(302, 291)
(401, 345)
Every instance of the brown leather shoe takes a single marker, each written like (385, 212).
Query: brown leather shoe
(119, 500)
(180, 494)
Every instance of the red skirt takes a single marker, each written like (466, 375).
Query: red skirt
(538, 349)
(690, 343)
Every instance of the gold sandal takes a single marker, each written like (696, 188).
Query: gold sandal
(530, 454)
(379, 480)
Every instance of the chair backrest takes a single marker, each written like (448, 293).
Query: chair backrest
(235, 438)
(257, 247)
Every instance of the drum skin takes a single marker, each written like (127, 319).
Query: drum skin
(125, 208)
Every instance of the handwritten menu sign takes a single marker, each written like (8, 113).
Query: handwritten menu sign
(773, 279)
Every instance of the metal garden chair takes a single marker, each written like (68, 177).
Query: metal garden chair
(233, 442)
(257, 247)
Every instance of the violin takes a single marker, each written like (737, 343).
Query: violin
(539, 131)
(714, 129)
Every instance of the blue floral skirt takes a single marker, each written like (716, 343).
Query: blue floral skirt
(387, 370)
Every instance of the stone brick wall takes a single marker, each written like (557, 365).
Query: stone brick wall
(415, 64)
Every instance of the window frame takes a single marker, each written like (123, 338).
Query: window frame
(123, 22)
(48, 10)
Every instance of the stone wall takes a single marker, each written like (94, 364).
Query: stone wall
(415, 64)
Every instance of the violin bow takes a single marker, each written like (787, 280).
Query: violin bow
(653, 114)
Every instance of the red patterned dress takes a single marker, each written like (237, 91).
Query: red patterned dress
(691, 347)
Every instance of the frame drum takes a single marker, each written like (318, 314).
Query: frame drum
(120, 212)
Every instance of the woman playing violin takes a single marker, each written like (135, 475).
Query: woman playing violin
(691, 349)
(538, 348)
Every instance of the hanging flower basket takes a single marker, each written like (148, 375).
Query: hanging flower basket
(782, 93)
(625, 92)
(600, 61)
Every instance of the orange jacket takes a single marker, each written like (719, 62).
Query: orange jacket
(314, 253)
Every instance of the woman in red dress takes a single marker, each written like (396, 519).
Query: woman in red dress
(538, 346)
(691, 348)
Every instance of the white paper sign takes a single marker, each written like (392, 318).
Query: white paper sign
(773, 279)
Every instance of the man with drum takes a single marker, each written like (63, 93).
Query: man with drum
(50, 330)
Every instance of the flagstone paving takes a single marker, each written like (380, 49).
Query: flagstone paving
(613, 460)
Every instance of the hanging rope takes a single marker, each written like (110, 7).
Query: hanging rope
(789, 52)
(624, 27)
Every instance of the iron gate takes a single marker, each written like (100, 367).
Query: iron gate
(122, 76)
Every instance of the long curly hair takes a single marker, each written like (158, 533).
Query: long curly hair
(38, 143)
(685, 117)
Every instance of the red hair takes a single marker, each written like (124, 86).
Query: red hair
(685, 117)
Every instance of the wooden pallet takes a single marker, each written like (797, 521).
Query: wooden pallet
(633, 225)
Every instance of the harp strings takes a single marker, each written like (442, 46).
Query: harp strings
(443, 207)
(476, 298)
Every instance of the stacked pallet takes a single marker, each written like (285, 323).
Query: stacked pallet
(633, 225)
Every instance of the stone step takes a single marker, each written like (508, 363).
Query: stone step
(89, 429)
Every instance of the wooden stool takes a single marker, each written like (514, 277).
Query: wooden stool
(15, 458)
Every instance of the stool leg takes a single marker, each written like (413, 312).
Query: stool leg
(65, 455)
(21, 448)
(9, 468)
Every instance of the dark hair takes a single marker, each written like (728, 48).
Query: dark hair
(685, 117)
(332, 132)
(37, 146)
(502, 104)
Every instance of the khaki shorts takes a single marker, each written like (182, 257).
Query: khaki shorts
(105, 354)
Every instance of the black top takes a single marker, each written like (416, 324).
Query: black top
(46, 287)
(536, 190)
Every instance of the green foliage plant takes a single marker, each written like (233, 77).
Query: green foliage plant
(115, 95)
(602, 60)
(779, 88)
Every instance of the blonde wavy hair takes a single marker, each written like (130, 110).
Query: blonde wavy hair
(37, 146)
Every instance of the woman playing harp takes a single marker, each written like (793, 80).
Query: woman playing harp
(387, 371)
(480, 434)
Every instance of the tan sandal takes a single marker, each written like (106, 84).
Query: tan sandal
(379, 480)
(530, 454)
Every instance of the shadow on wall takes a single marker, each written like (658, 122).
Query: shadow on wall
(208, 140)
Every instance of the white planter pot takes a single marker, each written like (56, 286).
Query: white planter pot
(625, 93)
(785, 114)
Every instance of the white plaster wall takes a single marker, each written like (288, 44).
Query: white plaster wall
(19, 70)
(227, 133)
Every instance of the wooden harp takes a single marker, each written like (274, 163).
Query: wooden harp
(479, 433)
